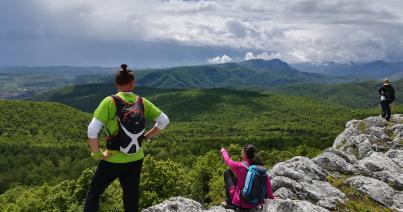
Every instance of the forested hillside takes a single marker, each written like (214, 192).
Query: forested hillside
(224, 116)
(41, 142)
(87, 97)
(353, 95)
(45, 142)
(18, 85)
(229, 113)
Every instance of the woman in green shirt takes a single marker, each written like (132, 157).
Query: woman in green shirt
(123, 115)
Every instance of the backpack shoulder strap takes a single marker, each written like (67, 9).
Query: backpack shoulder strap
(141, 102)
(245, 164)
(119, 103)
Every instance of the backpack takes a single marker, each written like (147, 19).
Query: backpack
(131, 123)
(254, 190)
(389, 92)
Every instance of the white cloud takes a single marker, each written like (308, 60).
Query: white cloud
(263, 55)
(219, 60)
(297, 31)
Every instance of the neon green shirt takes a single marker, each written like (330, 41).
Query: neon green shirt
(106, 113)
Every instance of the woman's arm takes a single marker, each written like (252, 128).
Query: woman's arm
(93, 130)
(94, 127)
(227, 159)
(152, 133)
(380, 90)
(160, 124)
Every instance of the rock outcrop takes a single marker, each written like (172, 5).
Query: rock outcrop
(181, 204)
(368, 154)
(307, 181)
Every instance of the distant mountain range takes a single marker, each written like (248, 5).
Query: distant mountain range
(249, 74)
(17, 82)
(56, 70)
(254, 74)
(372, 70)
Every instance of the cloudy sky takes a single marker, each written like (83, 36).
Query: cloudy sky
(151, 33)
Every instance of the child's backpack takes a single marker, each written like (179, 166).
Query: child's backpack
(254, 190)
(131, 123)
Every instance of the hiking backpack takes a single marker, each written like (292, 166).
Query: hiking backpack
(389, 92)
(254, 190)
(131, 123)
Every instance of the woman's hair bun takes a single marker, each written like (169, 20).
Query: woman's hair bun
(124, 75)
(124, 67)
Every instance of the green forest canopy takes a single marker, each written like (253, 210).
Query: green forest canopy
(45, 142)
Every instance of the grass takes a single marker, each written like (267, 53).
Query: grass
(390, 133)
(355, 152)
(355, 201)
(343, 142)
(362, 127)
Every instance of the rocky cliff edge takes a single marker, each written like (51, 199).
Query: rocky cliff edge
(366, 158)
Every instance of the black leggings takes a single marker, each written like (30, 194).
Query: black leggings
(229, 180)
(107, 172)
(386, 112)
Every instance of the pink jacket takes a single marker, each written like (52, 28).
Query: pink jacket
(241, 172)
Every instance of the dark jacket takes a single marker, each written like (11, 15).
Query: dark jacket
(388, 91)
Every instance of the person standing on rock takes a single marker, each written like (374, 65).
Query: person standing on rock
(123, 115)
(387, 93)
(236, 176)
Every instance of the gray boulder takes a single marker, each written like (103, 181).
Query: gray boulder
(218, 209)
(332, 162)
(301, 178)
(397, 156)
(352, 129)
(397, 129)
(378, 161)
(397, 118)
(181, 204)
(292, 205)
(318, 192)
(285, 193)
(377, 133)
(397, 143)
(377, 190)
(281, 183)
(279, 205)
(300, 169)
(393, 179)
(363, 145)
(374, 121)
(178, 204)
(384, 168)
(322, 194)
(349, 158)
(398, 202)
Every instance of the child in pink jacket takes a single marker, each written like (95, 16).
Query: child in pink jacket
(235, 177)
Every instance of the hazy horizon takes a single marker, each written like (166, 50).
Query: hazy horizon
(133, 66)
